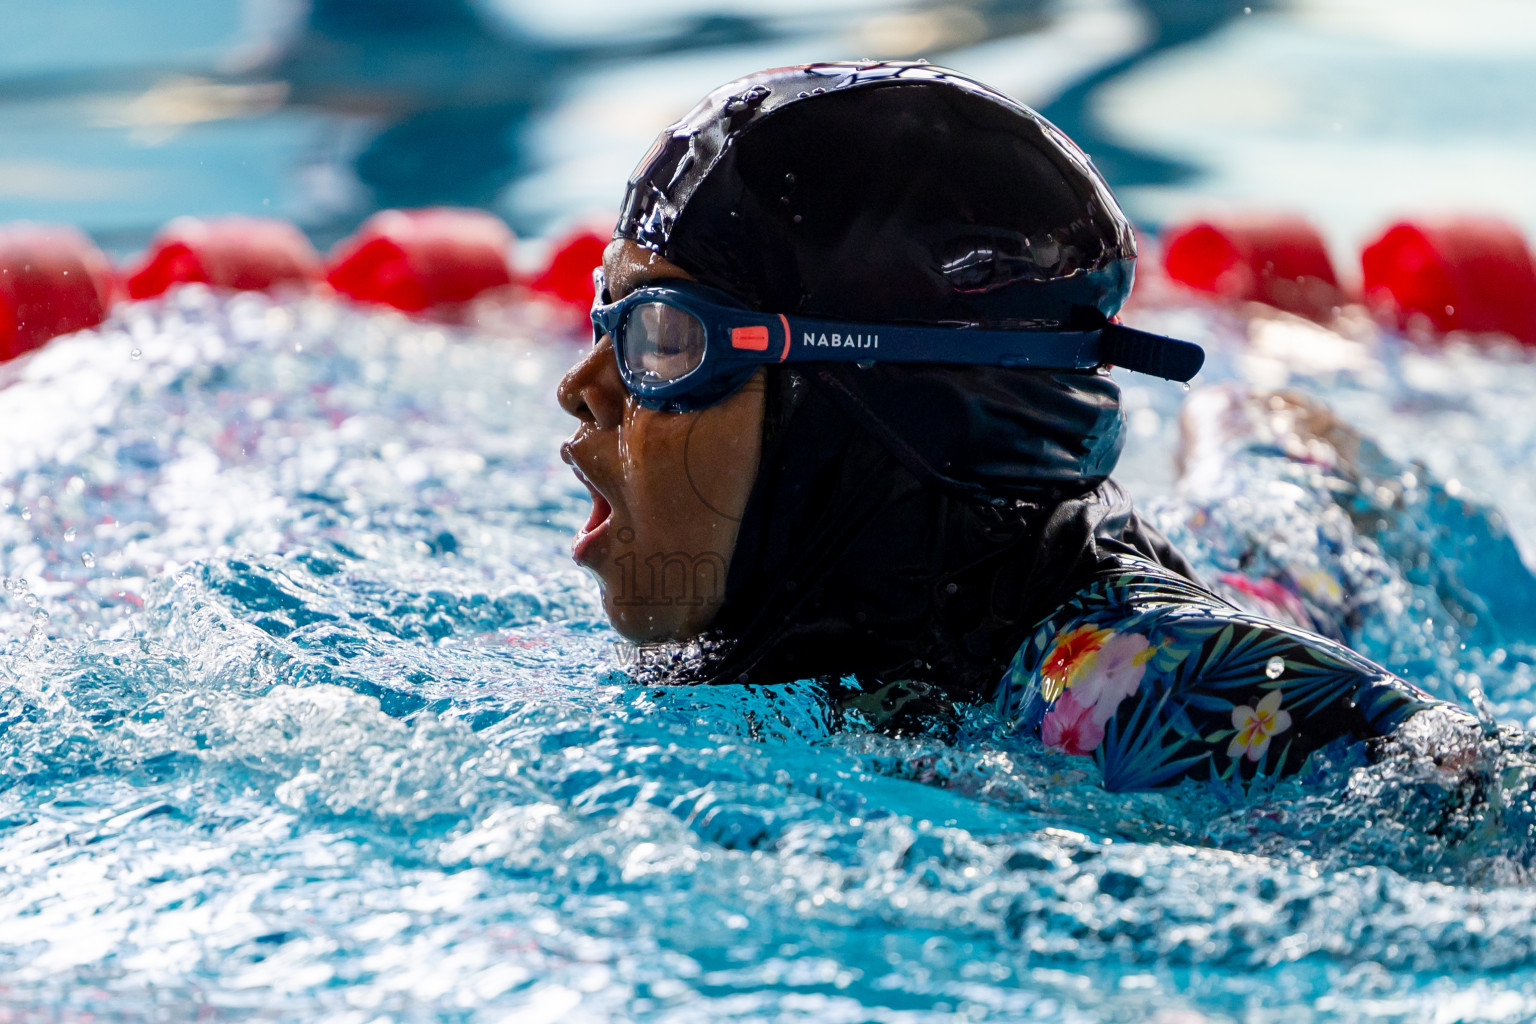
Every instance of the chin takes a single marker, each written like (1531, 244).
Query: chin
(643, 622)
(640, 624)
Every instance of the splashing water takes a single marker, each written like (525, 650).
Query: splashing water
(308, 716)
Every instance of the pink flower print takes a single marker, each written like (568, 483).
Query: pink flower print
(1070, 728)
(1114, 675)
(1256, 726)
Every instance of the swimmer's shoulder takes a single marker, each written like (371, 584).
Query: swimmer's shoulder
(1159, 679)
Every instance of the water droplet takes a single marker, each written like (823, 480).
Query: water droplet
(87, 559)
(69, 534)
(1275, 668)
(135, 354)
(26, 512)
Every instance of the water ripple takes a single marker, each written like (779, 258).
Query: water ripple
(331, 731)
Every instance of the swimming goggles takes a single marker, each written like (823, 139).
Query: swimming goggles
(682, 346)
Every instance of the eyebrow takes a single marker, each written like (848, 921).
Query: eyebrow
(637, 279)
(614, 292)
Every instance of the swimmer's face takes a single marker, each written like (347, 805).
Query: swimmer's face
(668, 489)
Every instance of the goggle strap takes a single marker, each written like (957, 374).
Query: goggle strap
(814, 340)
(1153, 354)
(1114, 344)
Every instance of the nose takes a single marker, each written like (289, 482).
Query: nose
(592, 390)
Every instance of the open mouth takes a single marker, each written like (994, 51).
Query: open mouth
(596, 524)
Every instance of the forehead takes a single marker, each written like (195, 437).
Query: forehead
(628, 265)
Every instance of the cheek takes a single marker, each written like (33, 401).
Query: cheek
(653, 452)
(680, 510)
(721, 465)
(684, 485)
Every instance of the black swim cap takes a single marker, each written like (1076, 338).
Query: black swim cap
(897, 192)
(890, 191)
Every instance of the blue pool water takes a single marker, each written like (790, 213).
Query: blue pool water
(307, 716)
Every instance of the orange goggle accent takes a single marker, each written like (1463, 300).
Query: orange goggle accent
(754, 338)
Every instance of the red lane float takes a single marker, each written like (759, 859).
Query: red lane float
(567, 278)
(1463, 274)
(1468, 274)
(242, 253)
(1278, 260)
(413, 259)
(52, 281)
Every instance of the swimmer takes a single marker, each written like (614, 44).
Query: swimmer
(848, 417)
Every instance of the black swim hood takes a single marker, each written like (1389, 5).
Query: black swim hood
(900, 192)
(907, 519)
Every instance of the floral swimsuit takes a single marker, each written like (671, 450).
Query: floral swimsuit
(1159, 680)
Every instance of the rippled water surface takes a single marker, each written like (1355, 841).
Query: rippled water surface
(307, 716)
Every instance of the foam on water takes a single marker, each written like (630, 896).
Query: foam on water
(307, 716)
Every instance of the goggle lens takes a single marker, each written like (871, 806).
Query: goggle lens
(662, 343)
